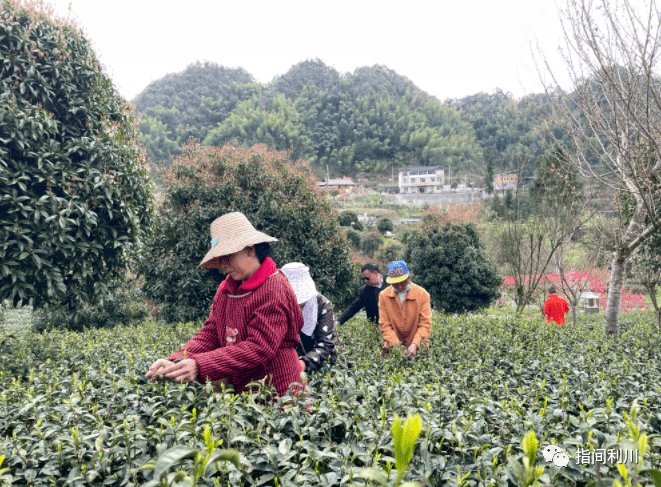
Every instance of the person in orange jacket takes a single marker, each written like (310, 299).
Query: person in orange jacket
(404, 311)
(555, 307)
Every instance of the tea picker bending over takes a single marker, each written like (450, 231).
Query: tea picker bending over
(253, 327)
(404, 311)
(318, 338)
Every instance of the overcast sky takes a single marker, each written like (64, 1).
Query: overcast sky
(448, 48)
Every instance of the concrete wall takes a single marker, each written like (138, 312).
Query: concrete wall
(421, 199)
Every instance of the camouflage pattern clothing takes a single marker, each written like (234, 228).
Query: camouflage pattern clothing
(314, 350)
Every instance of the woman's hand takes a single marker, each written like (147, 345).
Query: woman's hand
(184, 371)
(158, 367)
(302, 365)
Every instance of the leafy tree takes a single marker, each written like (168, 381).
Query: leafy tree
(354, 237)
(358, 226)
(278, 125)
(505, 128)
(488, 179)
(334, 192)
(279, 197)
(156, 139)
(617, 109)
(556, 183)
(390, 253)
(454, 185)
(75, 194)
(371, 243)
(347, 218)
(385, 225)
(450, 262)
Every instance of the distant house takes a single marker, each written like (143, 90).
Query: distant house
(336, 184)
(510, 180)
(425, 179)
(506, 180)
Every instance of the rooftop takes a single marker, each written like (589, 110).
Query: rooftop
(418, 168)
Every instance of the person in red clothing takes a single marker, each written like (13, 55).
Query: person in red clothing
(555, 307)
(253, 327)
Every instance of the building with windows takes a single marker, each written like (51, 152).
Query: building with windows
(510, 180)
(506, 180)
(425, 179)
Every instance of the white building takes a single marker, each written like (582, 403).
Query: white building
(426, 179)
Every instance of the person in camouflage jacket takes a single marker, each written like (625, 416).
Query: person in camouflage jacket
(318, 338)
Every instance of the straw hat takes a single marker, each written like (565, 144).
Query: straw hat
(231, 233)
(301, 282)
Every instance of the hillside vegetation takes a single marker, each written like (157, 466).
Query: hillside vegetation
(365, 121)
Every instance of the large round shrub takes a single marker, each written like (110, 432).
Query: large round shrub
(347, 218)
(371, 243)
(279, 197)
(354, 237)
(390, 253)
(358, 226)
(74, 187)
(450, 262)
(385, 225)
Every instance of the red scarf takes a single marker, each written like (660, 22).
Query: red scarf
(265, 270)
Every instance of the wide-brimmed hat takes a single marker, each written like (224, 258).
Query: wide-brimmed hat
(397, 272)
(231, 233)
(301, 282)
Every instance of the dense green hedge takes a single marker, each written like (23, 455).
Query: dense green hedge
(75, 193)
(69, 400)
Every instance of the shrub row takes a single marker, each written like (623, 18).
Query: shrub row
(73, 410)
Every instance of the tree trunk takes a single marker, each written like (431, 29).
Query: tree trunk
(618, 274)
(573, 313)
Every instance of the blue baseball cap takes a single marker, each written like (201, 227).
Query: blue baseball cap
(397, 272)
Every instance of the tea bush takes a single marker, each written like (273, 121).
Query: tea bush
(75, 192)
(125, 305)
(73, 411)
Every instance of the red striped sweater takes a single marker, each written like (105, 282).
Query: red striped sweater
(264, 311)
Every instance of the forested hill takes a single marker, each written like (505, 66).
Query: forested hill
(364, 121)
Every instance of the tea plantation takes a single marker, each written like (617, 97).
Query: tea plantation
(73, 410)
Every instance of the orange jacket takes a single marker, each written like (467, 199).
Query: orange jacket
(555, 308)
(409, 322)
